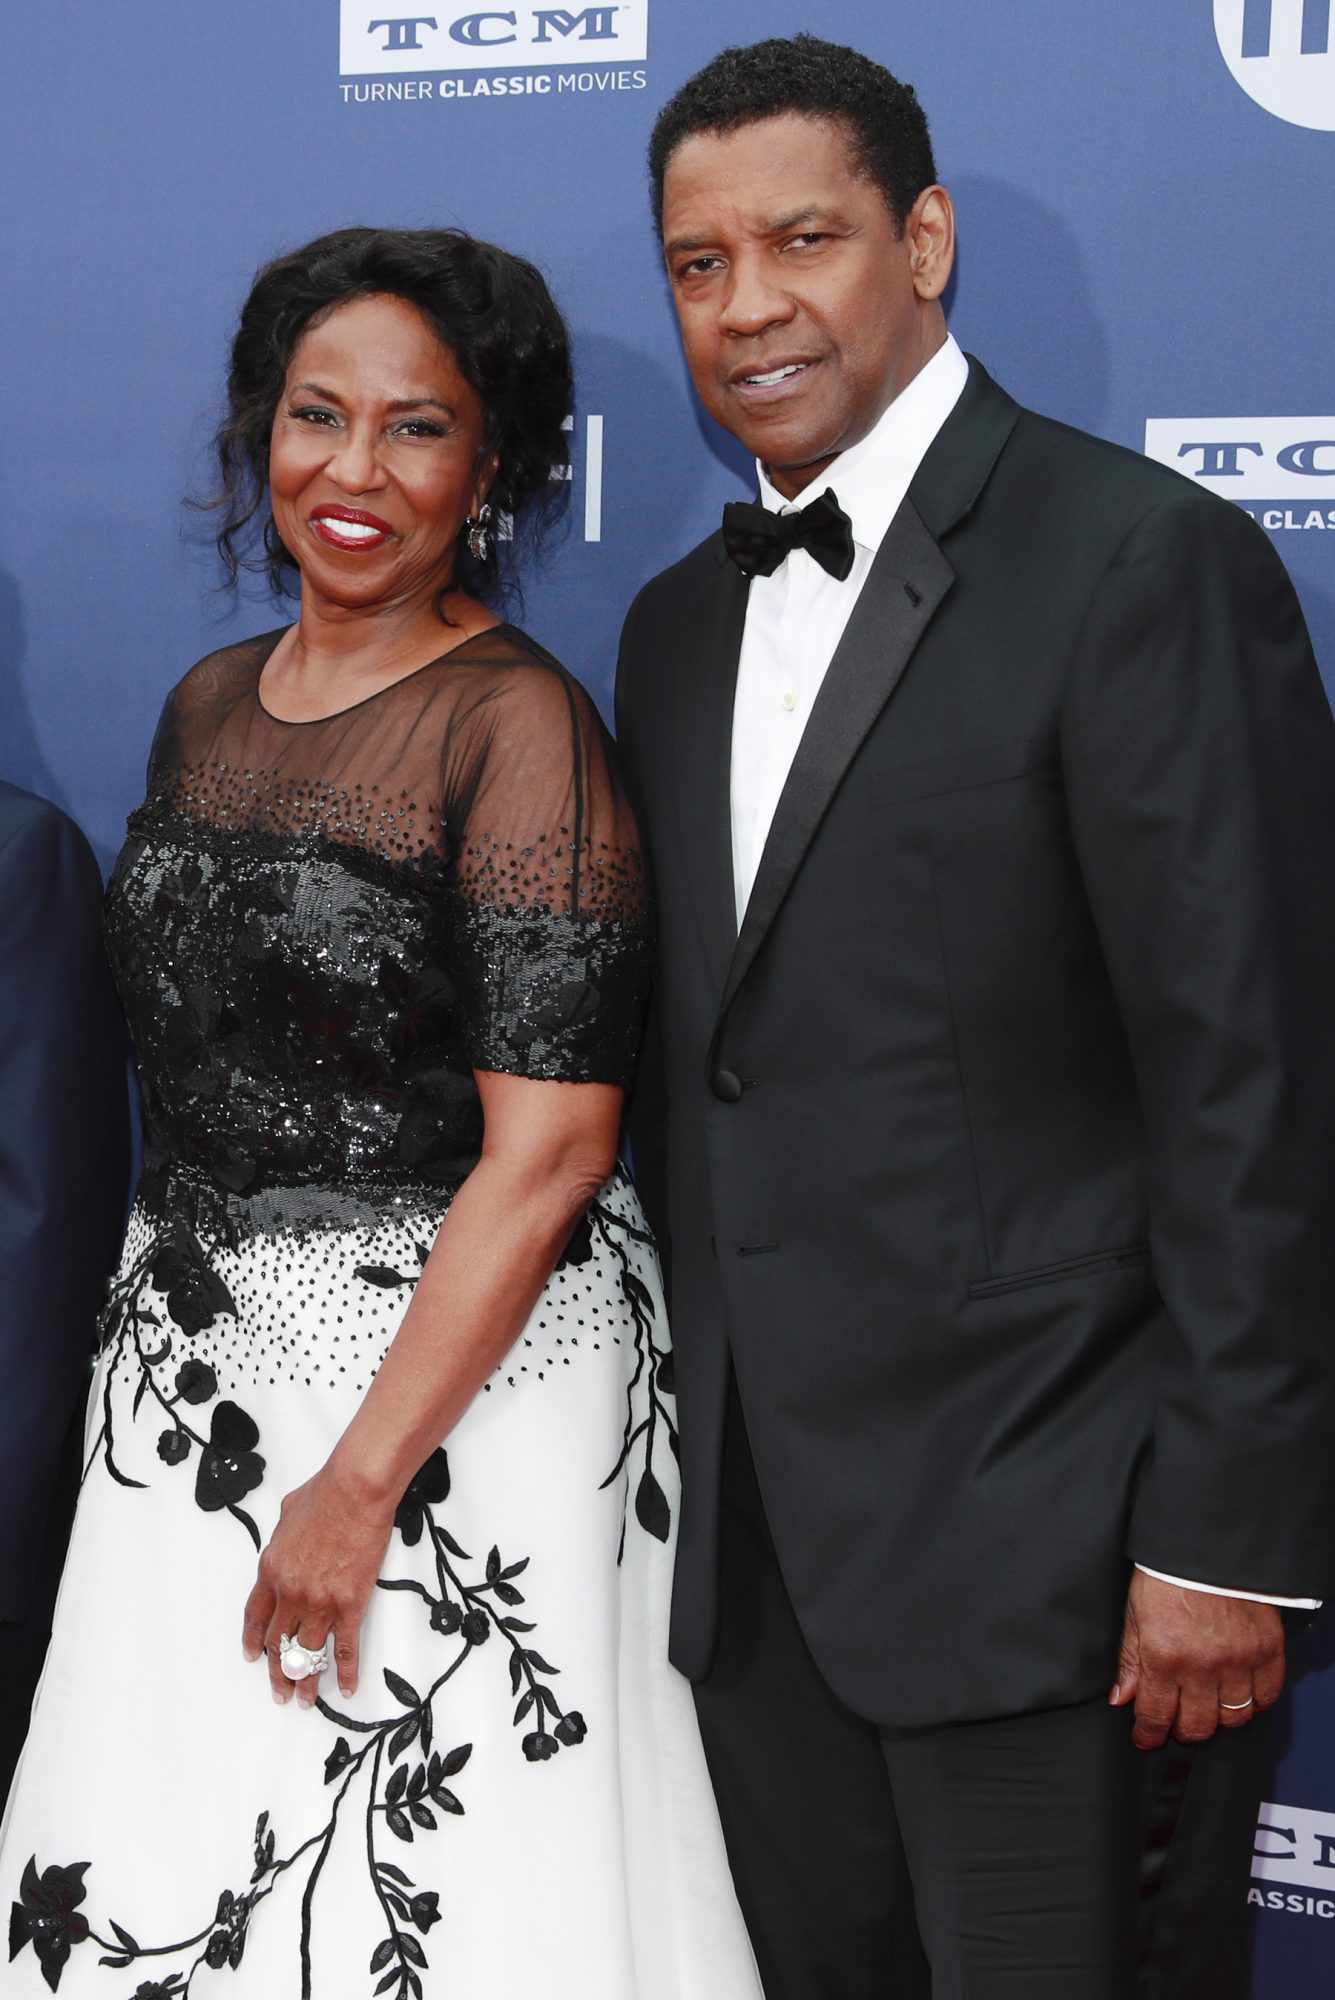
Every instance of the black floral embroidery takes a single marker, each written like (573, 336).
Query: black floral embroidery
(387, 1278)
(227, 1942)
(229, 1467)
(651, 1379)
(195, 1293)
(408, 1782)
(196, 1382)
(430, 1485)
(424, 1910)
(47, 1916)
(651, 1383)
(579, 1249)
(408, 1787)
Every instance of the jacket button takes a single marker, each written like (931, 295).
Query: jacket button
(727, 1085)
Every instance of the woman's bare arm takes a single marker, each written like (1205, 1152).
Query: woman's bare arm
(547, 1149)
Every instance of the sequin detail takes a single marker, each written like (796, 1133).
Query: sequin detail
(321, 930)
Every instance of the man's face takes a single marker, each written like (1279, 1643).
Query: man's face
(802, 311)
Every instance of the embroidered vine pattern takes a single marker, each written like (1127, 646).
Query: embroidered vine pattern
(651, 1378)
(408, 1787)
(228, 1467)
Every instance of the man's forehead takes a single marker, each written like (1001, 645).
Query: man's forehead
(763, 173)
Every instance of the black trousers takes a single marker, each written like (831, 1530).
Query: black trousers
(1039, 1857)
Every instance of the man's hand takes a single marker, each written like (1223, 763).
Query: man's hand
(1193, 1663)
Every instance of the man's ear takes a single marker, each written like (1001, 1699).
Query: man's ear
(930, 230)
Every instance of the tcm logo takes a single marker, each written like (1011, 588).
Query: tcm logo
(1250, 458)
(378, 40)
(1282, 52)
(1295, 1846)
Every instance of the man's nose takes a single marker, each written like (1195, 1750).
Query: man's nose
(753, 300)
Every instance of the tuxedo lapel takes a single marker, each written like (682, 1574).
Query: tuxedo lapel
(907, 583)
(908, 580)
(702, 762)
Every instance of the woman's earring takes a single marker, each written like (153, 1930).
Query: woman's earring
(477, 533)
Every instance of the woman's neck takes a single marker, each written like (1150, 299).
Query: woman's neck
(337, 655)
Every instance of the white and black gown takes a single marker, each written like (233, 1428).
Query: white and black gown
(320, 930)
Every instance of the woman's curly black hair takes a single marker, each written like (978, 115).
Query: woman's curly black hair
(491, 309)
(883, 118)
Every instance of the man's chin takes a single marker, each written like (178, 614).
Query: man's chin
(792, 450)
(794, 462)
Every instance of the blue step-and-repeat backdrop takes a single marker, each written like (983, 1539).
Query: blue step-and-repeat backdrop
(1146, 194)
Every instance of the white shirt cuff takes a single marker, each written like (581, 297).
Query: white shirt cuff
(1217, 1590)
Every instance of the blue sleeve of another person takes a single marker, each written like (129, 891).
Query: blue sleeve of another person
(64, 1165)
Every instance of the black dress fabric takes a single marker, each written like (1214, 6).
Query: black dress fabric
(320, 929)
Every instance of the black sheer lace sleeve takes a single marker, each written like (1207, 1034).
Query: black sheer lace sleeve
(162, 750)
(548, 897)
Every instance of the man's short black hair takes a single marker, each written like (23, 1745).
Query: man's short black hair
(887, 127)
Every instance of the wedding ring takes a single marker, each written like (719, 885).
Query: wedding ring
(1249, 1703)
(298, 1662)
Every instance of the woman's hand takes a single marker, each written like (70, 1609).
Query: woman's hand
(315, 1578)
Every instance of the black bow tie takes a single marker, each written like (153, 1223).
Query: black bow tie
(758, 541)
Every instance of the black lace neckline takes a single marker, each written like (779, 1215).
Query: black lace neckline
(309, 721)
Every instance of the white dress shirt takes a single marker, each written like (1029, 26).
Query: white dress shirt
(795, 620)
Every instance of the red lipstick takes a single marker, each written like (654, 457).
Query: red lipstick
(351, 530)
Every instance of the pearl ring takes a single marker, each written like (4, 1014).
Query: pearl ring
(298, 1662)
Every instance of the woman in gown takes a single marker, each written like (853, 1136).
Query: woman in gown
(388, 1316)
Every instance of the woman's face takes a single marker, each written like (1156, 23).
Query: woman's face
(376, 457)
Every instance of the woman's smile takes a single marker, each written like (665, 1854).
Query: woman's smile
(350, 529)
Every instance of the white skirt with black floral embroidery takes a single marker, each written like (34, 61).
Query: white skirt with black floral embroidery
(515, 1802)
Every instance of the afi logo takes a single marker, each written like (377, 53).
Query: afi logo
(472, 37)
(1249, 458)
(1282, 52)
(1258, 28)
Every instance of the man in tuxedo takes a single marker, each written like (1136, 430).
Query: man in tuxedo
(64, 1171)
(989, 786)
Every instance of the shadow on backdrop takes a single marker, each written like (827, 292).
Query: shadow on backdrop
(1016, 251)
(665, 478)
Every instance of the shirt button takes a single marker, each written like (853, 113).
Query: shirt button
(790, 701)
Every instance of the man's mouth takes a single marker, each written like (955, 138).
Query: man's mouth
(776, 374)
(780, 379)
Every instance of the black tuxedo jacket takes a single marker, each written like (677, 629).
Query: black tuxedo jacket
(996, 1151)
(64, 1171)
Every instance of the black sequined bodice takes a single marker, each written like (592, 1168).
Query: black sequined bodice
(320, 930)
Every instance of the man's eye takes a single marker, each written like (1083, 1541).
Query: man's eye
(810, 236)
(700, 267)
